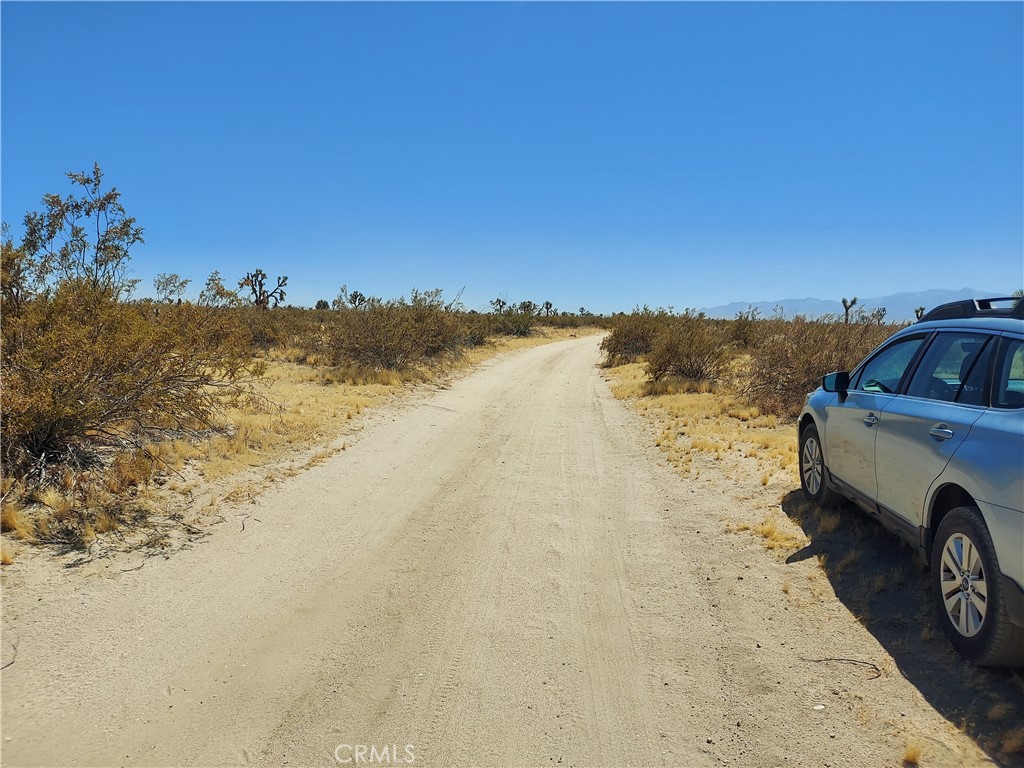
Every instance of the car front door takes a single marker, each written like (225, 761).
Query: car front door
(921, 429)
(851, 422)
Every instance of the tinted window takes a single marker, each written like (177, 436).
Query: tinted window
(883, 372)
(953, 369)
(1009, 390)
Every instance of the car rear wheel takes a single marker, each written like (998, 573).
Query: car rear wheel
(813, 473)
(966, 582)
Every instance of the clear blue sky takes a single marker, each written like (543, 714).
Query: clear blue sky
(597, 154)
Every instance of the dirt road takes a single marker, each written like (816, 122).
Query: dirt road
(498, 574)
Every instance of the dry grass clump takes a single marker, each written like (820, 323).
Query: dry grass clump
(68, 519)
(912, 755)
(851, 558)
(13, 520)
(828, 522)
(773, 531)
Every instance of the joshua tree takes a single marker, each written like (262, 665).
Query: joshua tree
(919, 313)
(256, 282)
(499, 305)
(847, 306)
(549, 308)
(322, 304)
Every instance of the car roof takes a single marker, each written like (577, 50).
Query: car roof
(977, 323)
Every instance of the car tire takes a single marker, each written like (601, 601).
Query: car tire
(967, 585)
(813, 472)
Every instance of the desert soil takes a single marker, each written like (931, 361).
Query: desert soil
(504, 572)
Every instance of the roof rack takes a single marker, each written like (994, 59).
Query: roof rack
(955, 310)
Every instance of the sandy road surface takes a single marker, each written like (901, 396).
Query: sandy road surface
(499, 574)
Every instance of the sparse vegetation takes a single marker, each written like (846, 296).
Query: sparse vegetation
(790, 358)
(772, 363)
(102, 391)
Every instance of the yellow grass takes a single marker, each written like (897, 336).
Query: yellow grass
(776, 533)
(701, 426)
(6, 553)
(59, 504)
(14, 520)
(710, 422)
(912, 755)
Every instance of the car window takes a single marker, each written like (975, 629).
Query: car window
(882, 373)
(1009, 390)
(953, 369)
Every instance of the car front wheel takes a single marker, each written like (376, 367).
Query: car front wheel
(967, 586)
(812, 469)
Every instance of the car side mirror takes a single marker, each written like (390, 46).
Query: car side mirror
(836, 382)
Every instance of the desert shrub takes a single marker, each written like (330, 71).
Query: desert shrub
(514, 323)
(569, 320)
(790, 358)
(398, 335)
(81, 367)
(745, 328)
(689, 347)
(632, 336)
(477, 329)
(84, 367)
(264, 327)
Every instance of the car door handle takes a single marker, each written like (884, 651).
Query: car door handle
(870, 420)
(941, 431)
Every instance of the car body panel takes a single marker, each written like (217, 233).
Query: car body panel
(850, 438)
(908, 458)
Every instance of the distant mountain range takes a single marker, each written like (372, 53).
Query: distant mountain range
(898, 306)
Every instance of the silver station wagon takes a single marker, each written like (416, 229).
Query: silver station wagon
(927, 435)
